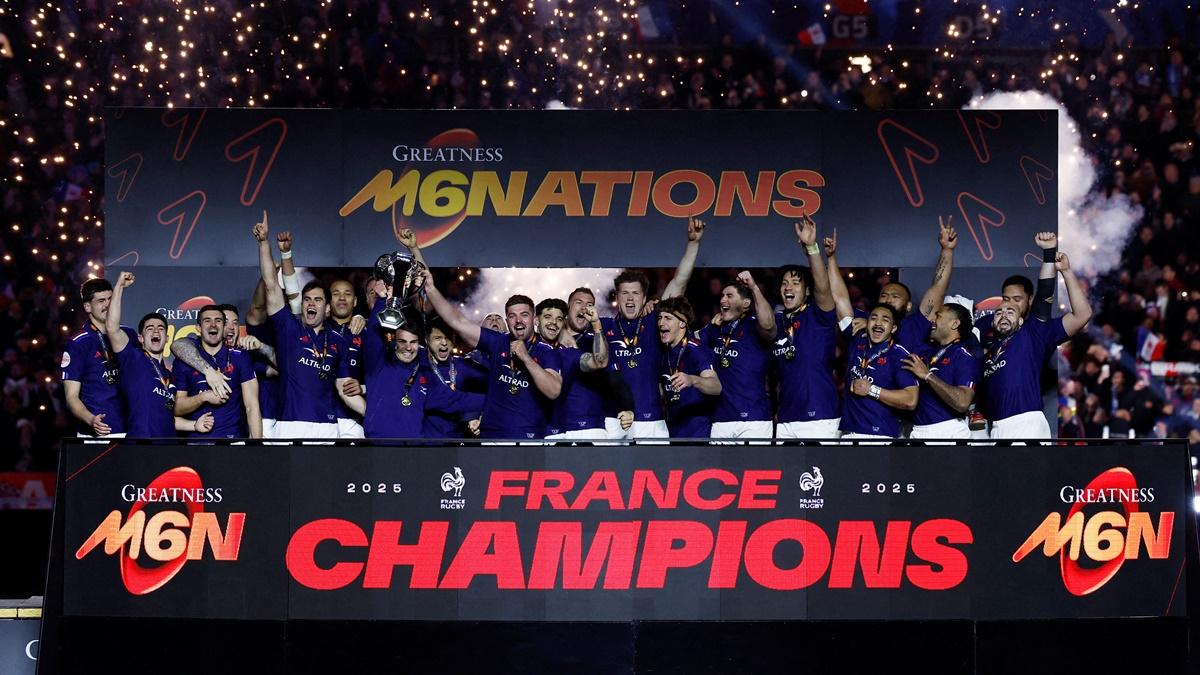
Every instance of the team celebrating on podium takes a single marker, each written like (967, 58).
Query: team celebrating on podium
(308, 367)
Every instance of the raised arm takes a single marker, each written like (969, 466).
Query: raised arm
(764, 313)
(598, 358)
(257, 314)
(112, 324)
(936, 293)
(1043, 299)
(683, 271)
(408, 239)
(837, 285)
(806, 235)
(266, 267)
(1081, 310)
(468, 330)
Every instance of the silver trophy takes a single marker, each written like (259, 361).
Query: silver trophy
(399, 270)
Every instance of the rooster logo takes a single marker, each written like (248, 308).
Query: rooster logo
(808, 481)
(456, 481)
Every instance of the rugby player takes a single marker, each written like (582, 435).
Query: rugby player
(310, 357)
(89, 368)
(234, 415)
(805, 346)
(948, 371)
(146, 381)
(633, 346)
(741, 341)
(690, 385)
(877, 386)
(1013, 361)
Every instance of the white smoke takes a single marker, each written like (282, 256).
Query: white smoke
(1092, 227)
(496, 284)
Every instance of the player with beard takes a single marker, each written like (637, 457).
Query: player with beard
(523, 371)
(402, 392)
(590, 395)
(457, 373)
(1019, 290)
(633, 346)
(949, 372)
(914, 327)
(309, 355)
(877, 384)
(1013, 360)
(805, 346)
(740, 338)
(579, 409)
(690, 385)
(235, 415)
(145, 380)
(89, 368)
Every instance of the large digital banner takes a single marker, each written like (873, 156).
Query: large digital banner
(620, 533)
(575, 188)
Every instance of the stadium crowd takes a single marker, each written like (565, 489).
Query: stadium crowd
(1137, 108)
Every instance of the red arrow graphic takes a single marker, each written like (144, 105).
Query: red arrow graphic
(123, 256)
(246, 146)
(182, 119)
(126, 171)
(979, 216)
(1034, 169)
(974, 130)
(916, 148)
(177, 213)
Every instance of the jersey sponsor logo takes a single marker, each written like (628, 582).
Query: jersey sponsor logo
(66, 360)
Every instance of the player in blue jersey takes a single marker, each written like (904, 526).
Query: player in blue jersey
(690, 385)
(402, 390)
(90, 370)
(805, 344)
(949, 372)
(349, 325)
(877, 385)
(263, 356)
(599, 393)
(524, 375)
(145, 379)
(310, 356)
(633, 346)
(579, 409)
(458, 374)
(1013, 360)
(1019, 290)
(741, 338)
(235, 415)
(914, 325)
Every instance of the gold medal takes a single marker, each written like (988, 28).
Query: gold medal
(790, 353)
(631, 363)
(513, 389)
(724, 362)
(405, 400)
